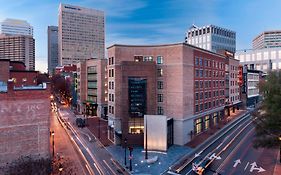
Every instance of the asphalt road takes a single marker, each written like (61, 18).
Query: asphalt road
(231, 153)
(213, 150)
(100, 161)
(63, 147)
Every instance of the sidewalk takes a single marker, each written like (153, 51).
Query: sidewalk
(197, 140)
(277, 168)
(99, 129)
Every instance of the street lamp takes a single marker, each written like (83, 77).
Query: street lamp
(99, 128)
(280, 149)
(146, 156)
(125, 156)
(53, 137)
(130, 157)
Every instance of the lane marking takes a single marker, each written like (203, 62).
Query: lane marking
(246, 166)
(109, 167)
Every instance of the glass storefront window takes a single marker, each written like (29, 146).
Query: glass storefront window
(207, 122)
(198, 126)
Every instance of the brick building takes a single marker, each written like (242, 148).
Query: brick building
(180, 81)
(24, 122)
(92, 87)
(16, 70)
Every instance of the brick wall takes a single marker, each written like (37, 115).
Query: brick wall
(24, 124)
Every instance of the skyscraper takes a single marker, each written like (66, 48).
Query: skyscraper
(80, 34)
(52, 48)
(16, 27)
(18, 48)
(267, 39)
(211, 38)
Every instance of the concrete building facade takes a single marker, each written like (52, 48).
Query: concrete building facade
(179, 81)
(92, 87)
(80, 34)
(212, 38)
(267, 39)
(52, 49)
(18, 48)
(260, 59)
(250, 89)
(16, 27)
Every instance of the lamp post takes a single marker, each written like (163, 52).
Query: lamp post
(130, 157)
(146, 156)
(125, 155)
(53, 137)
(99, 128)
(280, 149)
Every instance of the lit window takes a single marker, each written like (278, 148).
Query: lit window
(159, 60)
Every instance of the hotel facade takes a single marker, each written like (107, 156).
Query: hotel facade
(80, 34)
(180, 81)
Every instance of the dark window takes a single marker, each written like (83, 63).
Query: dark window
(160, 84)
(196, 96)
(160, 110)
(160, 97)
(137, 96)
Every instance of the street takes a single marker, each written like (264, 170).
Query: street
(64, 148)
(100, 161)
(230, 152)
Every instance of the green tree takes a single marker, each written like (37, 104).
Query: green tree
(268, 115)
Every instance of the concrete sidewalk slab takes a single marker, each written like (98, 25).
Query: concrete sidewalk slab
(139, 166)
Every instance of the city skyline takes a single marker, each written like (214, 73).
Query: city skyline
(145, 22)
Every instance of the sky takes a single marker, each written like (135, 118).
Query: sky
(151, 21)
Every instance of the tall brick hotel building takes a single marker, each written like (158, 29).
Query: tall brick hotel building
(181, 81)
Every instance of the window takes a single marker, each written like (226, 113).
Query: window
(201, 95)
(196, 61)
(112, 109)
(159, 60)
(196, 96)
(159, 97)
(147, 58)
(201, 107)
(206, 95)
(159, 72)
(112, 97)
(160, 110)
(138, 58)
(196, 84)
(159, 84)
(206, 105)
(200, 61)
(112, 60)
(197, 73)
(112, 85)
(201, 84)
(196, 108)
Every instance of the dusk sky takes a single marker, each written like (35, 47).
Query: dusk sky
(151, 21)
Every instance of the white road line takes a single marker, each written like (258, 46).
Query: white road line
(234, 150)
(246, 166)
(109, 167)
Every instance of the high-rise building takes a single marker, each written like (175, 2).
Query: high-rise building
(18, 48)
(16, 27)
(80, 34)
(211, 38)
(267, 39)
(152, 80)
(260, 59)
(52, 48)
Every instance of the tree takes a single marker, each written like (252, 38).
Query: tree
(268, 115)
